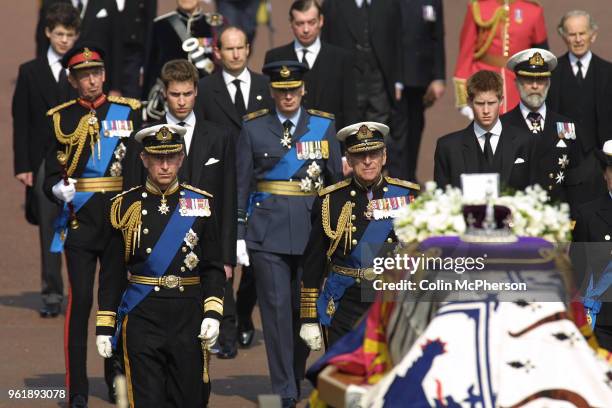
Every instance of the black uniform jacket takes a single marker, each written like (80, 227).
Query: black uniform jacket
(93, 231)
(459, 153)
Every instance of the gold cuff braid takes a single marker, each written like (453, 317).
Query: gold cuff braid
(213, 304)
(106, 319)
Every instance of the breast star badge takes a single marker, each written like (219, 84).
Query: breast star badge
(560, 177)
(563, 161)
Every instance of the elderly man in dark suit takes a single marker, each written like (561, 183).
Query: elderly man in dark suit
(371, 30)
(558, 142)
(422, 82)
(100, 25)
(330, 82)
(42, 84)
(581, 89)
(283, 158)
(485, 146)
(224, 98)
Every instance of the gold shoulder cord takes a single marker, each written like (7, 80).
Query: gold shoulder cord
(88, 126)
(500, 13)
(129, 224)
(344, 226)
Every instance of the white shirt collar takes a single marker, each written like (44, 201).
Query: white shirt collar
(53, 57)
(190, 120)
(525, 111)
(294, 118)
(314, 48)
(495, 131)
(244, 76)
(585, 60)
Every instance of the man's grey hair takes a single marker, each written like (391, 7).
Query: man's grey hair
(576, 13)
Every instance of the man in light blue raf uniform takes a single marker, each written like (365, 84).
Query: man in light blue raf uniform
(283, 158)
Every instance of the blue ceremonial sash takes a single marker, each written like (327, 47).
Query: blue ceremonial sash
(362, 256)
(289, 164)
(158, 261)
(591, 301)
(94, 168)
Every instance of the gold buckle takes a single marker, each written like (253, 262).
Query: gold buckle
(369, 274)
(170, 281)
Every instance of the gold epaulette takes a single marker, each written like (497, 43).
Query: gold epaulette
(334, 187)
(197, 190)
(58, 108)
(125, 192)
(403, 183)
(133, 103)
(321, 114)
(256, 114)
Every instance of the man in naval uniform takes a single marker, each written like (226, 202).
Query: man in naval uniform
(82, 169)
(347, 218)
(283, 158)
(169, 314)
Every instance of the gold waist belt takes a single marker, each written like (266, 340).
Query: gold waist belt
(289, 188)
(366, 273)
(99, 184)
(494, 60)
(166, 281)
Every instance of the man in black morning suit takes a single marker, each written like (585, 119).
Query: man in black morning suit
(557, 141)
(581, 89)
(423, 71)
(370, 30)
(100, 26)
(83, 169)
(42, 84)
(219, 101)
(485, 146)
(330, 82)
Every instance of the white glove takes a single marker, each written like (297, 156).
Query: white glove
(312, 336)
(105, 349)
(467, 112)
(64, 192)
(242, 255)
(209, 331)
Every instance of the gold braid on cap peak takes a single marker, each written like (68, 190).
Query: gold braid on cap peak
(88, 126)
(129, 224)
(343, 228)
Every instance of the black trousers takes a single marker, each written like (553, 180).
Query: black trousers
(81, 265)
(133, 61)
(52, 286)
(163, 355)
(604, 336)
(246, 297)
(372, 99)
(228, 330)
(407, 124)
(350, 309)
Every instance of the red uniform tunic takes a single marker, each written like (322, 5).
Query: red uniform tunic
(494, 30)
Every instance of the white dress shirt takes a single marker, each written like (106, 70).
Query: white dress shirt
(585, 60)
(311, 55)
(75, 4)
(294, 119)
(190, 122)
(495, 134)
(525, 111)
(360, 2)
(55, 63)
(245, 85)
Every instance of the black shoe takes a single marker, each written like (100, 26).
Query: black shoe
(112, 395)
(289, 403)
(78, 401)
(227, 352)
(50, 310)
(246, 332)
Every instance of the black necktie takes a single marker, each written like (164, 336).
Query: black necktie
(536, 121)
(80, 6)
(239, 99)
(488, 149)
(304, 60)
(287, 125)
(365, 4)
(579, 76)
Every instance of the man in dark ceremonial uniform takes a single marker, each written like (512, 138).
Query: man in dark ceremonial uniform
(188, 27)
(347, 217)
(591, 254)
(283, 158)
(557, 140)
(169, 316)
(82, 170)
